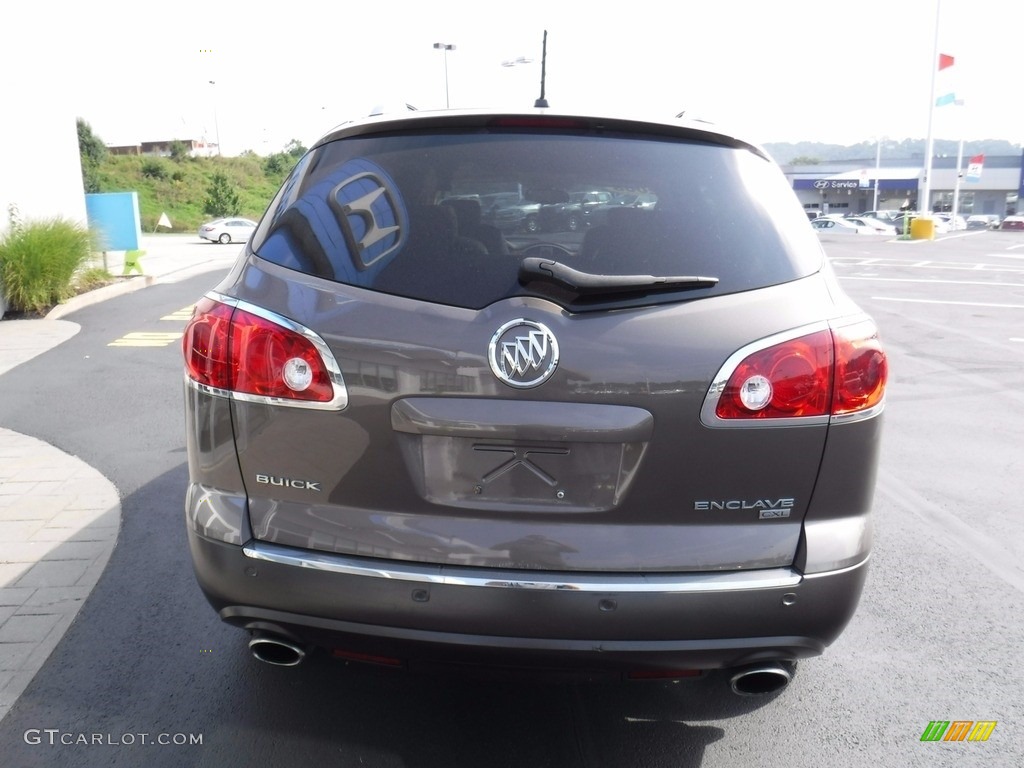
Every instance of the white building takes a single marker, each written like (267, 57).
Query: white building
(857, 186)
(40, 168)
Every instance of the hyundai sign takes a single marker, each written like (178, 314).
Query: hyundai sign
(836, 184)
(826, 185)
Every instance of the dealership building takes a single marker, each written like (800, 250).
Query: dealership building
(855, 186)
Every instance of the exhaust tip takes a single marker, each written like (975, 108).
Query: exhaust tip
(761, 680)
(276, 651)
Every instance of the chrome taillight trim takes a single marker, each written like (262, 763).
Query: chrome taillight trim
(708, 412)
(724, 581)
(861, 415)
(337, 403)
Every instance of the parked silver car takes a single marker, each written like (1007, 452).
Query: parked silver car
(645, 449)
(229, 230)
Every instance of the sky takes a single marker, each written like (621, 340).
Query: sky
(778, 70)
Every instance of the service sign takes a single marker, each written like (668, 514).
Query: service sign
(836, 184)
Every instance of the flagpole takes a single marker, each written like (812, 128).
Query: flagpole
(924, 206)
(878, 166)
(956, 189)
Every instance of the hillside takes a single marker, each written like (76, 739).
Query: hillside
(907, 149)
(179, 188)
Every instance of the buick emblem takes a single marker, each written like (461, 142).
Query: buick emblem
(523, 353)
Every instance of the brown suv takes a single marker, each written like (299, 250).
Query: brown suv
(644, 449)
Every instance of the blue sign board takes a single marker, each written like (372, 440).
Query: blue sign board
(114, 217)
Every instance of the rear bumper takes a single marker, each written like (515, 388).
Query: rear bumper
(570, 621)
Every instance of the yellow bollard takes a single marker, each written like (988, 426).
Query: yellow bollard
(922, 228)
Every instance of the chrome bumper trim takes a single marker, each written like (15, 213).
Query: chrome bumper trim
(838, 571)
(705, 581)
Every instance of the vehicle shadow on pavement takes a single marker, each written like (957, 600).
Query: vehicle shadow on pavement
(430, 721)
(147, 655)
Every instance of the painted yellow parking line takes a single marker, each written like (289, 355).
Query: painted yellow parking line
(146, 340)
(153, 339)
(182, 315)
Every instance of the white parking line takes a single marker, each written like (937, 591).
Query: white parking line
(983, 283)
(958, 266)
(949, 303)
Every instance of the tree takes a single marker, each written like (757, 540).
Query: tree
(179, 150)
(222, 200)
(803, 160)
(92, 152)
(295, 148)
(277, 164)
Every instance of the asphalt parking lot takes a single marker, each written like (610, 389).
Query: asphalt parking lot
(936, 637)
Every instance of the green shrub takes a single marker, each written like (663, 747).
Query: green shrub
(154, 169)
(38, 261)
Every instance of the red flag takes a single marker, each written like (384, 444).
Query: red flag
(945, 60)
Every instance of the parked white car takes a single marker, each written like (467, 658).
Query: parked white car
(838, 227)
(983, 221)
(953, 222)
(877, 226)
(232, 230)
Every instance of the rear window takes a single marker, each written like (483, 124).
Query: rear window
(449, 218)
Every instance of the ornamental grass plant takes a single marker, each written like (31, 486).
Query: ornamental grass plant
(39, 260)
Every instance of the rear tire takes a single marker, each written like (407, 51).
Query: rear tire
(224, 238)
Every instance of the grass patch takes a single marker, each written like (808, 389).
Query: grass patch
(90, 279)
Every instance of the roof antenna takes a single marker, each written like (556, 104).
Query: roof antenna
(542, 102)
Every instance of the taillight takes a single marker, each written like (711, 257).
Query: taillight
(206, 345)
(830, 372)
(251, 354)
(862, 368)
(793, 378)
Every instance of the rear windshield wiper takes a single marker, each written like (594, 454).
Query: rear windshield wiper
(587, 283)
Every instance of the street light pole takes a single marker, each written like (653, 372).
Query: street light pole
(216, 124)
(445, 47)
(878, 166)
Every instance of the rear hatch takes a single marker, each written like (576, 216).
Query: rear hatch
(538, 404)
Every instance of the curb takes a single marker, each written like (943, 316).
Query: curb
(100, 294)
